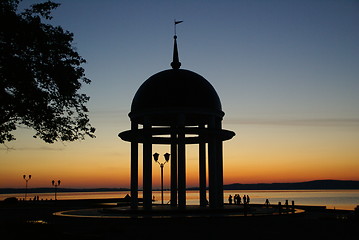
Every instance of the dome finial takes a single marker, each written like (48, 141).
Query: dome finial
(175, 64)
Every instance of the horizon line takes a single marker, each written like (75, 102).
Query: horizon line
(188, 188)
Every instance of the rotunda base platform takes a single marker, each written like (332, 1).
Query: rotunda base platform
(166, 211)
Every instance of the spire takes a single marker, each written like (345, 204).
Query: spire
(175, 64)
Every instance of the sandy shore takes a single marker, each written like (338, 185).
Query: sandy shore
(36, 220)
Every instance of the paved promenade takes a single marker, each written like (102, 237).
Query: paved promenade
(93, 220)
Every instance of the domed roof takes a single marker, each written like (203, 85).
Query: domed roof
(176, 90)
(170, 93)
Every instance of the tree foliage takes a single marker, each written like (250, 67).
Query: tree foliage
(40, 76)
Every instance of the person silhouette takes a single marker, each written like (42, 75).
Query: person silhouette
(248, 199)
(244, 199)
(230, 199)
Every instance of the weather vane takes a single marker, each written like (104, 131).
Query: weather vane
(176, 22)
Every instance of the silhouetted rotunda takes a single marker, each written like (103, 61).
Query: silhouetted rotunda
(177, 107)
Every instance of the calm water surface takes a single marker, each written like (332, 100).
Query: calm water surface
(339, 199)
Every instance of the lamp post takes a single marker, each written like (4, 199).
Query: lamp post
(55, 184)
(26, 180)
(162, 164)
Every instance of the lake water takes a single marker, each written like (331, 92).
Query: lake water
(338, 199)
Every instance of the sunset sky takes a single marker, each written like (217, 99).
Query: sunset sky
(287, 73)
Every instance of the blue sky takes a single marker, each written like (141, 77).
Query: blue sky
(284, 70)
(291, 58)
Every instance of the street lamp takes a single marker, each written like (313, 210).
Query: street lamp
(55, 184)
(167, 158)
(26, 180)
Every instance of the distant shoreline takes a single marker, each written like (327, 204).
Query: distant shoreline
(310, 185)
(51, 190)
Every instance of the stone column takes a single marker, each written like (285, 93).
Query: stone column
(147, 167)
(181, 164)
(134, 168)
(173, 169)
(219, 163)
(202, 171)
(212, 166)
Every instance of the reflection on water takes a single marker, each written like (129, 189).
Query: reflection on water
(36, 222)
(339, 199)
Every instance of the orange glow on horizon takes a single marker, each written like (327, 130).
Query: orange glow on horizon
(255, 155)
(111, 171)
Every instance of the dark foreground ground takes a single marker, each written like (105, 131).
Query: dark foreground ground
(26, 220)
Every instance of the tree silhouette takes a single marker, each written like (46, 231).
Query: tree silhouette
(40, 76)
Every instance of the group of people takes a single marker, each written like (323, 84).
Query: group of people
(238, 200)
